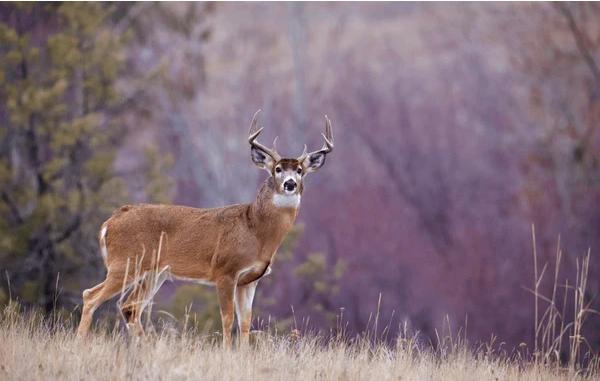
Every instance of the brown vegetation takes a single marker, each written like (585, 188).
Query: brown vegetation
(460, 125)
(36, 350)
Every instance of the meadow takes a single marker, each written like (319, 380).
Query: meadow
(38, 346)
(456, 127)
(34, 348)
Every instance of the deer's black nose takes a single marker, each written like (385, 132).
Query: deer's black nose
(289, 185)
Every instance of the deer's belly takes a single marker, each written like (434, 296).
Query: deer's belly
(205, 282)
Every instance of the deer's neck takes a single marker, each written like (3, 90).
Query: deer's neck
(272, 216)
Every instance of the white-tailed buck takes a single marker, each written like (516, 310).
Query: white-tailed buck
(230, 247)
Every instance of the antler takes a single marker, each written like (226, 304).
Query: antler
(327, 146)
(252, 139)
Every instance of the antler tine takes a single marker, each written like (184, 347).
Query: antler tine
(303, 155)
(327, 145)
(253, 123)
(252, 139)
(328, 136)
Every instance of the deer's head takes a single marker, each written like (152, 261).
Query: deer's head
(288, 173)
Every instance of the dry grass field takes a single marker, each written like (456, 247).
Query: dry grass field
(32, 350)
(34, 347)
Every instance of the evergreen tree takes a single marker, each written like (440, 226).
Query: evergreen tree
(58, 67)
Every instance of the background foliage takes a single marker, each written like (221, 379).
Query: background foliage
(456, 128)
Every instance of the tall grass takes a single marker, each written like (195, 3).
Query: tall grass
(556, 335)
(33, 347)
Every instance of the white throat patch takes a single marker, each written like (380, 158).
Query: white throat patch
(286, 200)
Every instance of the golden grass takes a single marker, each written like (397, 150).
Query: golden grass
(553, 330)
(34, 349)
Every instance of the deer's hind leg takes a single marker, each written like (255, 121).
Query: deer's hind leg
(140, 297)
(94, 297)
(132, 308)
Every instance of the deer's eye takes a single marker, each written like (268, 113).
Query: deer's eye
(299, 170)
(277, 169)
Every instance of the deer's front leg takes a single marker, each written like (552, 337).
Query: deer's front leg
(226, 294)
(243, 298)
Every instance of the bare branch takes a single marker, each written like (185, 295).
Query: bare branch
(12, 206)
(580, 40)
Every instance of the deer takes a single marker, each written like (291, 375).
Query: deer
(230, 247)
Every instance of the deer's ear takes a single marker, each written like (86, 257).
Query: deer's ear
(261, 159)
(314, 161)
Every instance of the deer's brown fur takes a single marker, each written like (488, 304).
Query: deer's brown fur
(231, 247)
(203, 244)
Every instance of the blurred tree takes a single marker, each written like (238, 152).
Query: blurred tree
(310, 283)
(564, 102)
(197, 307)
(320, 283)
(561, 59)
(298, 39)
(165, 79)
(59, 64)
(157, 186)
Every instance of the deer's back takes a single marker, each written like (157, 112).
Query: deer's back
(191, 236)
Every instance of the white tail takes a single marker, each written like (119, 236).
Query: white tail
(230, 247)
